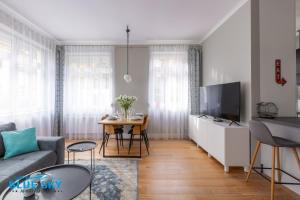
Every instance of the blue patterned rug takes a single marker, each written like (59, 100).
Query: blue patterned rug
(114, 179)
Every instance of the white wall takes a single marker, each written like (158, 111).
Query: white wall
(138, 69)
(278, 41)
(227, 56)
(277, 31)
(297, 41)
(255, 57)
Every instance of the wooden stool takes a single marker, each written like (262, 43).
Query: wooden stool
(263, 136)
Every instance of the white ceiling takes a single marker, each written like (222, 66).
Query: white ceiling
(105, 20)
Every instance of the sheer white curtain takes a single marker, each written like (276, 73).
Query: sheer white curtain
(88, 89)
(27, 76)
(168, 91)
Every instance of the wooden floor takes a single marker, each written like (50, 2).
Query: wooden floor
(178, 170)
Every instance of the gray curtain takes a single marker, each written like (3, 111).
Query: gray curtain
(59, 74)
(195, 78)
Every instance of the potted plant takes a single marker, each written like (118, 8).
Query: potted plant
(126, 102)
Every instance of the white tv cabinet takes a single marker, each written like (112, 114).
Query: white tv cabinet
(227, 144)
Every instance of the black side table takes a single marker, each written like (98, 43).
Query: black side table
(81, 147)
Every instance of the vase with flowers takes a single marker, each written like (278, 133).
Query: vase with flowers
(125, 102)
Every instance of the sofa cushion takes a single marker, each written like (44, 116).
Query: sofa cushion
(24, 164)
(5, 127)
(19, 142)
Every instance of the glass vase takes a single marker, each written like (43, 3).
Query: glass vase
(125, 113)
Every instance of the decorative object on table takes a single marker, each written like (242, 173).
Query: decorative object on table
(27, 192)
(36, 177)
(127, 76)
(267, 110)
(45, 180)
(112, 118)
(139, 114)
(131, 112)
(126, 102)
(81, 147)
(113, 179)
(136, 118)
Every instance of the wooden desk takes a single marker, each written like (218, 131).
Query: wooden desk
(121, 122)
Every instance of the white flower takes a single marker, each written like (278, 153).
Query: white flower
(125, 101)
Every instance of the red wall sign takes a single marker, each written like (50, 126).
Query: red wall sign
(279, 80)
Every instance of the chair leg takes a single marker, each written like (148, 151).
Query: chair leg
(107, 138)
(146, 135)
(102, 143)
(296, 156)
(130, 143)
(253, 159)
(278, 164)
(121, 134)
(146, 143)
(273, 172)
(117, 138)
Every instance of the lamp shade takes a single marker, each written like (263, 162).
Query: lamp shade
(127, 78)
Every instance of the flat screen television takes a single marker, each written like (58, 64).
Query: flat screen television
(221, 101)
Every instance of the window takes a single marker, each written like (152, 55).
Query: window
(168, 91)
(27, 75)
(5, 63)
(22, 78)
(88, 88)
(170, 73)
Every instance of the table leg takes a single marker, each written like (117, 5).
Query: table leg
(103, 140)
(90, 191)
(68, 157)
(73, 157)
(94, 159)
(91, 160)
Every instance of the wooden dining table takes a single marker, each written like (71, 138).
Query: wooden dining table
(121, 122)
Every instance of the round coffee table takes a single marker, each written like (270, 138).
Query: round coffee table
(81, 147)
(74, 180)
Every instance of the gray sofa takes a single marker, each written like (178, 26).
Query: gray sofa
(51, 153)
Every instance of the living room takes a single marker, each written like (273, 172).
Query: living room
(161, 99)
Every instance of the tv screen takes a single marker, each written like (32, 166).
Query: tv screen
(221, 101)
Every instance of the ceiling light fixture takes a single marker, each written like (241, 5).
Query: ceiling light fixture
(127, 76)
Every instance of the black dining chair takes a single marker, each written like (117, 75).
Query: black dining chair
(142, 131)
(263, 136)
(112, 130)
